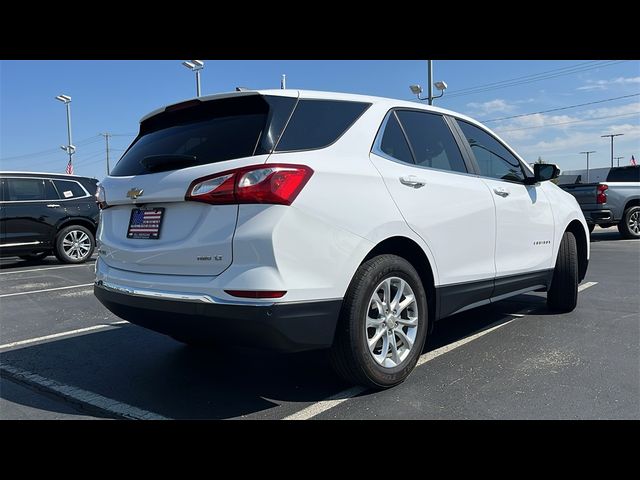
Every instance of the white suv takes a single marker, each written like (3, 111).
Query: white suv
(301, 220)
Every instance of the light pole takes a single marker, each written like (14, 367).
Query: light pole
(195, 66)
(611, 136)
(441, 86)
(588, 153)
(69, 148)
(430, 80)
(618, 159)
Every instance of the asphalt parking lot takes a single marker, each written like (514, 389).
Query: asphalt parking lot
(64, 356)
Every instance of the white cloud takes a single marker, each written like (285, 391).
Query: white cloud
(604, 84)
(492, 106)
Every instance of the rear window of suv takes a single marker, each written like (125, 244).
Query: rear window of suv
(235, 127)
(206, 132)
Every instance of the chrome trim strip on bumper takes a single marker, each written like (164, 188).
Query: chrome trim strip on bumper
(190, 297)
(138, 292)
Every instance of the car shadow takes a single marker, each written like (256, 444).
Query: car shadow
(152, 372)
(604, 235)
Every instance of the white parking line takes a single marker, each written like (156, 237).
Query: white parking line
(45, 268)
(584, 286)
(75, 394)
(61, 334)
(46, 290)
(334, 400)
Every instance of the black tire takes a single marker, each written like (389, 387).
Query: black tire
(629, 226)
(350, 355)
(592, 227)
(34, 257)
(60, 252)
(563, 293)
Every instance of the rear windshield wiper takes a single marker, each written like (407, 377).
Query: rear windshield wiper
(162, 163)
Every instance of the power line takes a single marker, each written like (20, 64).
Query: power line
(506, 84)
(532, 75)
(50, 151)
(571, 121)
(561, 108)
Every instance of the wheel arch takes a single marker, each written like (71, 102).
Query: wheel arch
(84, 222)
(634, 202)
(582, 239)
(412, 252)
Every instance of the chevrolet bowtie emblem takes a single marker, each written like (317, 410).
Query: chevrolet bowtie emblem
(135, 193)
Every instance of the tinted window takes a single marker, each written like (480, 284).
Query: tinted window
(50, 192)
(25, 189)
(319, 123)
(207, 132)
(432, 141)
(3, 195)
(624, 174)
(493, 158)
(69, 189)
(394, 143)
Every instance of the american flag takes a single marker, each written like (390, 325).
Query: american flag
(145, 224)
(69, 168)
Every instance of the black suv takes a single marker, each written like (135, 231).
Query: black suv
(47, 213)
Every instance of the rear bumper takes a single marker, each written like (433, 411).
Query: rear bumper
(287, 327)
(598, 216)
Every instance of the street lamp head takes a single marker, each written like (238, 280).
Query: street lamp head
(194, 64)
(440, 86)
(416, 89)
(64, 98)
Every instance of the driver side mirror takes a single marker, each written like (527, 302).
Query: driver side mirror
(543, 172)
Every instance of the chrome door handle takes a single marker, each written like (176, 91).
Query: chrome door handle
(502, 192)
(53, 205)
(413, 181)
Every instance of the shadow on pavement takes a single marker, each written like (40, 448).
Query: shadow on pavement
(153, 372)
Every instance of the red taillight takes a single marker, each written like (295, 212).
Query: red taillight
(256, 293)
(601, 197)
(267, 183)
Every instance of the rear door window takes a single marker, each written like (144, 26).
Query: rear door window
(69, 189)
(319, 123)
(432, 141)
(394, 143)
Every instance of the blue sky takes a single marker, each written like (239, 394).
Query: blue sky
(112, 96)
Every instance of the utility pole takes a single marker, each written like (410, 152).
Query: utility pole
(618, 159)
(588, 153)
(106, 136)
(612, 136)
(69, 148)
(430, 80)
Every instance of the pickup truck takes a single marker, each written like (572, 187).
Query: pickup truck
(615, 201)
